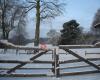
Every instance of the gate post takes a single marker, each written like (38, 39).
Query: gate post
(53, 63)
(57, 71)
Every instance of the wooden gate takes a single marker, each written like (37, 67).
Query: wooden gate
(56, 62)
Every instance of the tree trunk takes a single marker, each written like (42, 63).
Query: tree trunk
(3, 22)
(7, 34)
(3, 25)
(37, 31)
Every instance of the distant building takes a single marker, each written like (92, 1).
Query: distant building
(97, 25)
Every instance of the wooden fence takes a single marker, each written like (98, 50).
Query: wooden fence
(56, 62)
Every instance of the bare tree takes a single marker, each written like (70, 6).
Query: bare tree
(10, 14)
(3, 6)
(20, 37)
(44, 9)
(20, 29)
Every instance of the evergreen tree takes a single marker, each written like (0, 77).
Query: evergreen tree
(71, 31)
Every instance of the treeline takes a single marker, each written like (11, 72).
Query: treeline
(13, 15)
(13, 22)
(73, 33)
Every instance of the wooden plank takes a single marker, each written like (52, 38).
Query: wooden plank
(45, 75)
(22, 64)
(25, 52)
(23, 75)
(83, 59)
(77, 46)
(38, 55)
(23, 48)
(73, 67)
(16, 67)
(28, 62)
(79, 73)
(78, 60)
(48, 62)
(92, 53)
(11, 61)
(26, 68)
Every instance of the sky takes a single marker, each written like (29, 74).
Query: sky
(82, 11)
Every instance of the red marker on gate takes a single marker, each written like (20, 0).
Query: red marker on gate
(43, 46)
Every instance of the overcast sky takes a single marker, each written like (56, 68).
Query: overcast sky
(82, 11)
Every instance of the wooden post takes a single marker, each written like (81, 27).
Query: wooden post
(57, 66)
(53, 63)
(56, 58)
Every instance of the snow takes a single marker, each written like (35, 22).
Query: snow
(6, 43)
(97, 44)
